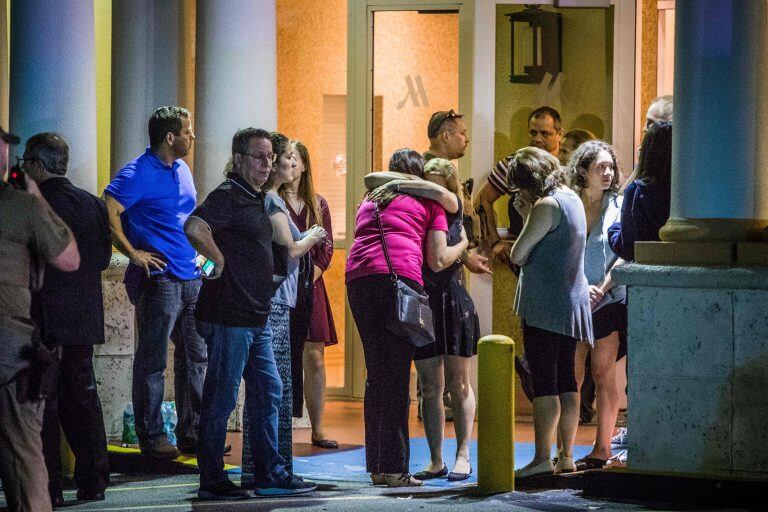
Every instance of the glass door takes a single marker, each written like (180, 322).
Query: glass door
(407, 60)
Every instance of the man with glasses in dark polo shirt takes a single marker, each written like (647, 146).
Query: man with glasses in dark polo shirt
(148, 202)
(232, 229)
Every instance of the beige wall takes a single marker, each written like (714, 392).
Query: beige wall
(583, 97)
(413, 46)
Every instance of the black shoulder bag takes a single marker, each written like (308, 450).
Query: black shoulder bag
(413, 316)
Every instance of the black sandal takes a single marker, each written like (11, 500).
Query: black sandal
(328, 444)
(587, 463)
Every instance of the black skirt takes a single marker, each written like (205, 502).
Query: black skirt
(457, 327)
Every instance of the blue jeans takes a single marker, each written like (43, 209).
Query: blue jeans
(235, 352)
(165, 309)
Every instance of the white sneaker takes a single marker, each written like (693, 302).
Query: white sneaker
(620, 439)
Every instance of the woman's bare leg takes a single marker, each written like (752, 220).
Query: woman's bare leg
(314, 386)
(432, 381)
(546, 412)
(604, 374)
(457, 374)
(569, 422)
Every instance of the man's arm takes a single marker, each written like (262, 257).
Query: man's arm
(201, 238)
(68, 260)
(491, 244)
(138, 257)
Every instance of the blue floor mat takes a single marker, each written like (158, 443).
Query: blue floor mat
(349, 465)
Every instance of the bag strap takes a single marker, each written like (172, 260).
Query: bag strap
(377, 214)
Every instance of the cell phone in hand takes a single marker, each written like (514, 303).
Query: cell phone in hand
(208, 267)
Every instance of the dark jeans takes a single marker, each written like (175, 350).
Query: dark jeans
(388, 362)
(74, 404)
(235, 353)
(22, 466)
(165, 309)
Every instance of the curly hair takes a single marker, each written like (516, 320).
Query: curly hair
(535, 171)
(578, 167)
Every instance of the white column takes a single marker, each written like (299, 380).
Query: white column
(146, 42)
(236, 80)
(52, 84)
(719, 56)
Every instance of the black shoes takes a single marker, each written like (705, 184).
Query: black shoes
(286, 486)
(90, 495)
(429, 475)
(57, 499)
(224, 490)
(159, 450)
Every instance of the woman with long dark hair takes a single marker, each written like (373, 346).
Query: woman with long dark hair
(647, 198)
(408, 224)
(646, 202)
(552, 299)
(312, 326)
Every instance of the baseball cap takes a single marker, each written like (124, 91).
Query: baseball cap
(437, 120)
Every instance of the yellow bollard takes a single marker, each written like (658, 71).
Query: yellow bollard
(496, 415)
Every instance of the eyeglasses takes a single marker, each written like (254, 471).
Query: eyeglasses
(267, 159)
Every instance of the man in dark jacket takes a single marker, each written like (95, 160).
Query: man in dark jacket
(69, 312)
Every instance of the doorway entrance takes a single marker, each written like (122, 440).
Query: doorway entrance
(405, 62)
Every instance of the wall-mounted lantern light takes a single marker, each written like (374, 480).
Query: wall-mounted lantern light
(545, 30)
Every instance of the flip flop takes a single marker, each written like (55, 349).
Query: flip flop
(587, 463)
(457, 477)
(429, 475)
(328, 444)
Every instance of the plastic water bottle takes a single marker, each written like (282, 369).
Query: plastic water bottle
(129, 426)
(170, 419)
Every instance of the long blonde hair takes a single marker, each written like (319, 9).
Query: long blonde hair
(306, 187)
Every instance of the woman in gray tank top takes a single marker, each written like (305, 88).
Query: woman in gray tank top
(552, 299)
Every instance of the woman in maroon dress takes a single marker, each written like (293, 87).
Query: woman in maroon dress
(312, 326)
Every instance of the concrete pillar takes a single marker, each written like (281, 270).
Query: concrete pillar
(113, 361)
(719, 57)
(53, 84)
(236, 80)
(146, 68)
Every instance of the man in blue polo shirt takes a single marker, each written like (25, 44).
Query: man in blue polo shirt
(148, 202)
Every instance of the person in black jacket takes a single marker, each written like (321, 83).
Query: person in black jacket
(69, 312)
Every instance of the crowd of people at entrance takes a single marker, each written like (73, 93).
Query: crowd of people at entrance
(235, 281)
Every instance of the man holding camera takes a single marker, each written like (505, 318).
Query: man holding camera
(29, 231)
(69, 312)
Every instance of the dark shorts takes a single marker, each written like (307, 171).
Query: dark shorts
(608, 319)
